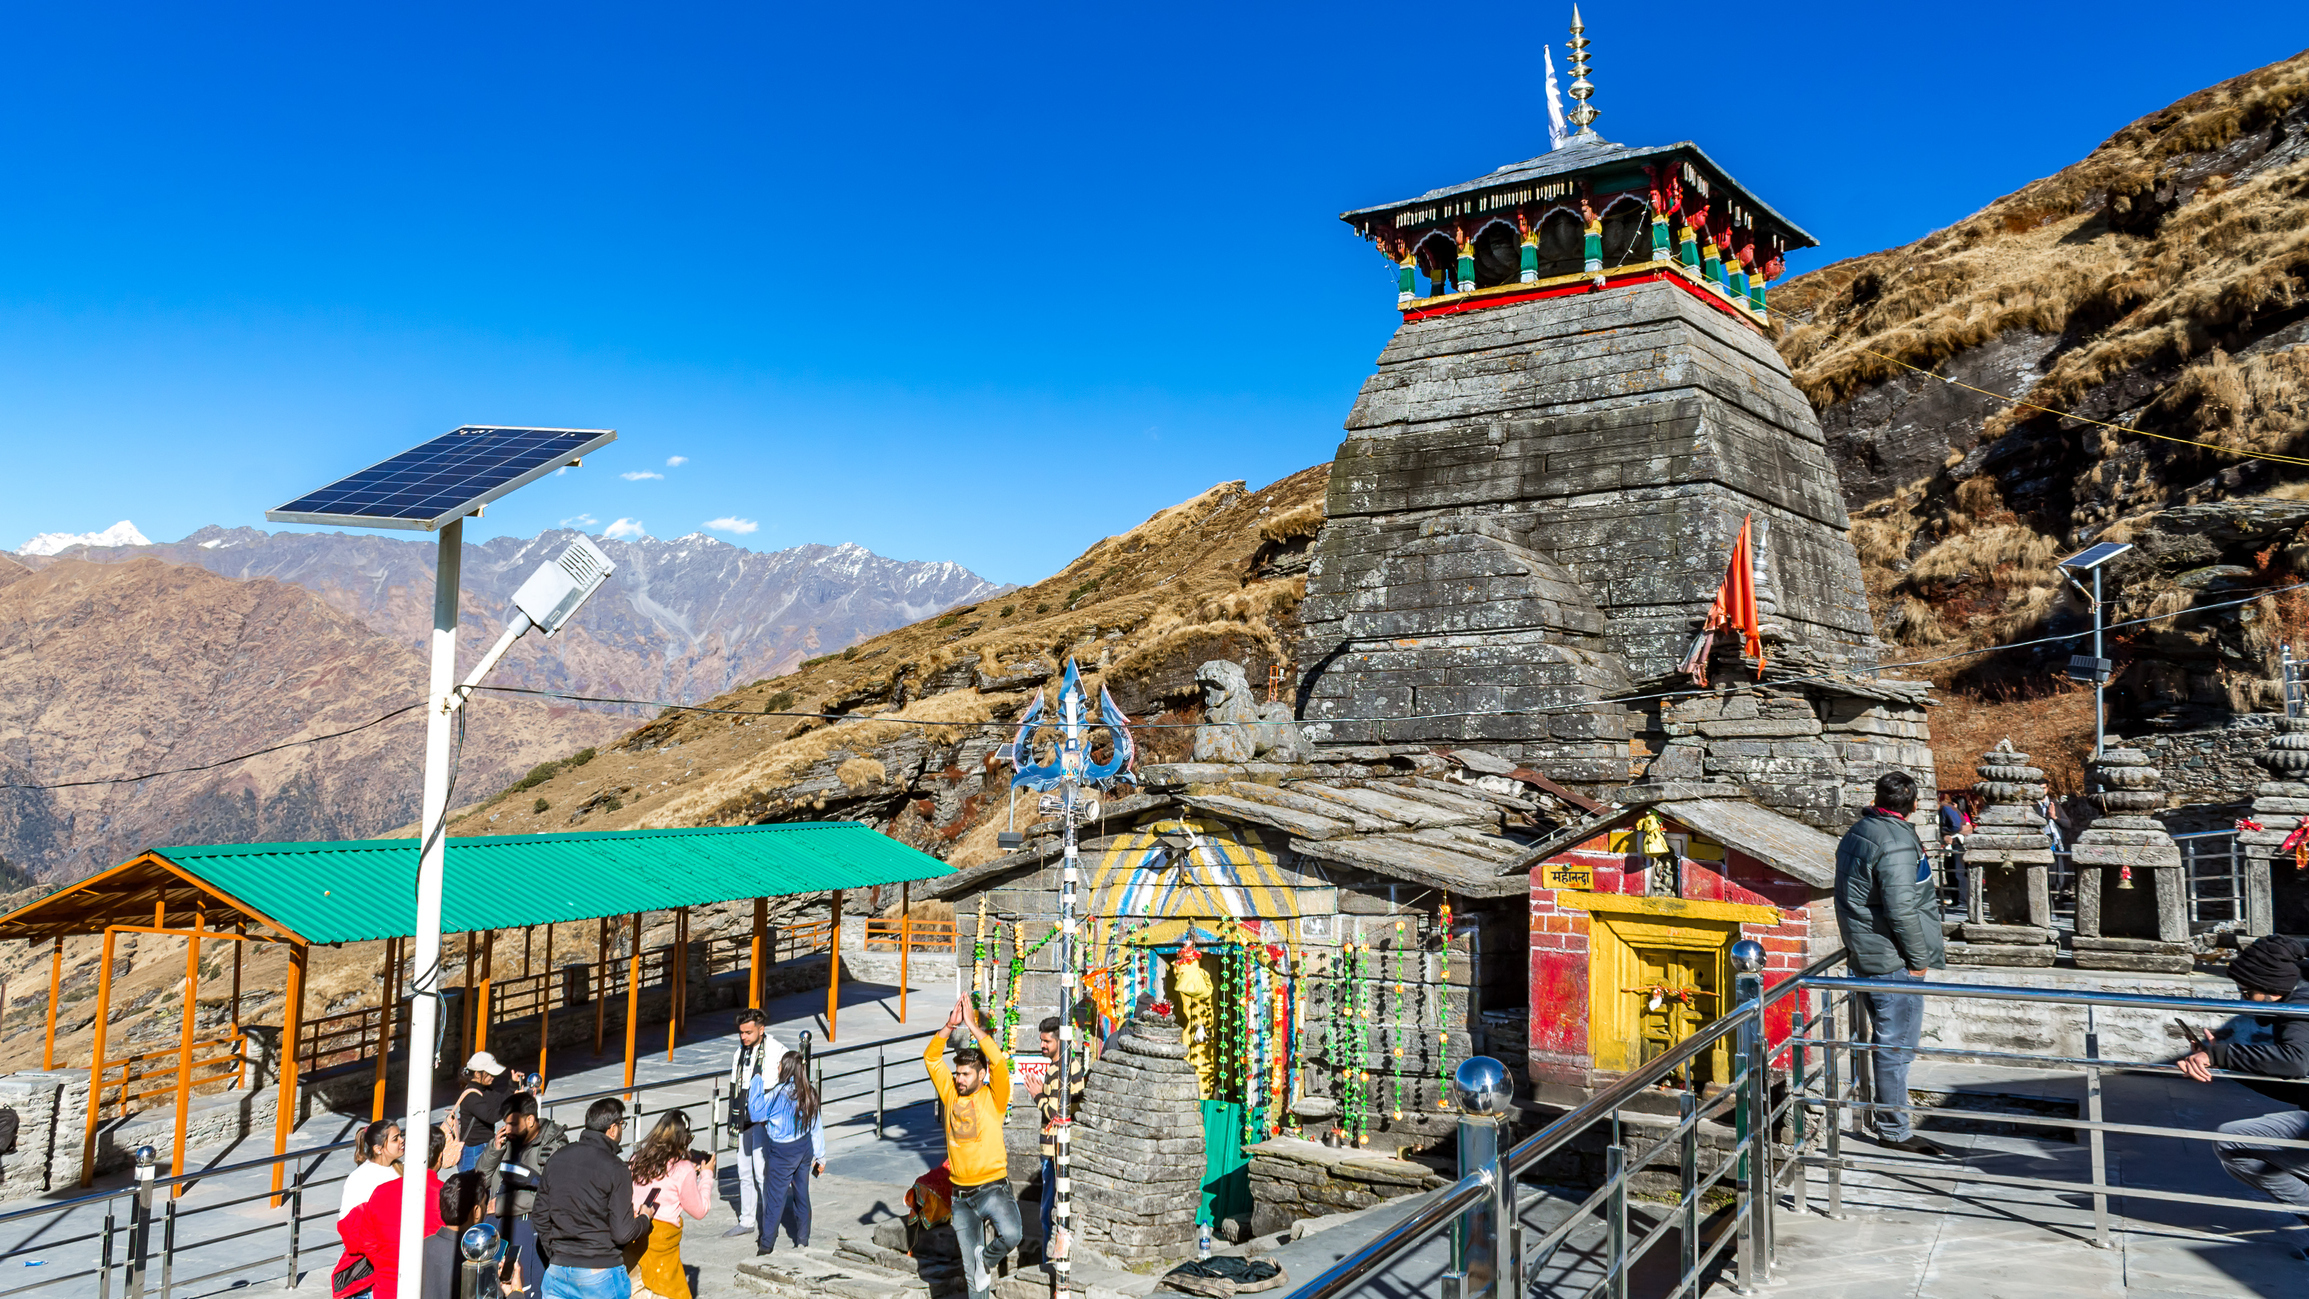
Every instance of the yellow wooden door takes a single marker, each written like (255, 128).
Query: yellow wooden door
(1674, 995)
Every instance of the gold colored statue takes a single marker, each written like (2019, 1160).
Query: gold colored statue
(1191, 989)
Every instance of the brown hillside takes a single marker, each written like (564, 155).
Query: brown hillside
(1219, 576)
(2161, 283)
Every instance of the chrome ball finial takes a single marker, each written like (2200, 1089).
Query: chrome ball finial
(1747, 956)
(479, 1244)
(1480, 1086)
(145, 1155)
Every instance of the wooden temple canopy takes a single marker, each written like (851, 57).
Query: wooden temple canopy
(355, 890)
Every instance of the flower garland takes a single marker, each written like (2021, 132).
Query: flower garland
(1396, 957)
(1018, 954)
(978, 974)
(1443, 1011)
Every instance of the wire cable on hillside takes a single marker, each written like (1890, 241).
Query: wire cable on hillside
(220, 762)
(568, 697)
(2063, 414)
(1423, 717)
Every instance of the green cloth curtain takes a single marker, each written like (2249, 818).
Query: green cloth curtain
(1226, 1173)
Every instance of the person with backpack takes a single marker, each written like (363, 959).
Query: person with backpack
(757, 1057)
(512, 1162)
(2270, 970)
(1889, 914)
(478, 1107)
(794, 1151)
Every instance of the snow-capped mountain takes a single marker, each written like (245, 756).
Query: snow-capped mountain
(122, 533)
(680, 620)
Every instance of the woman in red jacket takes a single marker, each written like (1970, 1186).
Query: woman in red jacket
(373, 1231)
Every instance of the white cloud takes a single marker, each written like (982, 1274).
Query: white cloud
(625, 530)
(636, 475)
(580, 521)
(676, 462)
(731, 523)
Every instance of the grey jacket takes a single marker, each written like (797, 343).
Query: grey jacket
(1885, 903)
(551, 1137)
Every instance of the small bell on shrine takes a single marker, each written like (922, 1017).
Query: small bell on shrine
(2004, 863)
(2124, 877)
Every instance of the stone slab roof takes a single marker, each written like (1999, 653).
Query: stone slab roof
(1438, 833)
(1788, 846)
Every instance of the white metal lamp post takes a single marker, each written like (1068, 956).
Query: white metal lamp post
(433, 488)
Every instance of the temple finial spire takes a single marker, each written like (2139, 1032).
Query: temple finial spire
(1581, 88)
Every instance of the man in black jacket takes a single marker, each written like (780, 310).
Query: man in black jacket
(585, 1215)
(2269, 970)
(1890, 918)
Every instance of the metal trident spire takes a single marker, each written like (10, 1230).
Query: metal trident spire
(1581, 88)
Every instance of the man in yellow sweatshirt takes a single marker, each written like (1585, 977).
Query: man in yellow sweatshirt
(975, 1093)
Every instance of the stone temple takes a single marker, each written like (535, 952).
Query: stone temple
(1542, 483)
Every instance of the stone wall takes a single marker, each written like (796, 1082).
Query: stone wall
(36, 1098)
(2215, 765)
(1293, 1179)
(1810, 752)
(1137, 1148)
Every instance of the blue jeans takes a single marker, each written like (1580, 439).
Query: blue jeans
(986, 1226)
(587, 1283)
(785, 1192)
(1049, 1200)
(469, 1158)
(1898, 1020)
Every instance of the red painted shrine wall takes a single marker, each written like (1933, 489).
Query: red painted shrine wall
(1560, 951)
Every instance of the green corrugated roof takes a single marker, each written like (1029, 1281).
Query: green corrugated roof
(366, 888)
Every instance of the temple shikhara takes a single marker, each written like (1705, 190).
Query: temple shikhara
(1587, 691)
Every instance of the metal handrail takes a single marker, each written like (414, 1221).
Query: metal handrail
(2065, 997)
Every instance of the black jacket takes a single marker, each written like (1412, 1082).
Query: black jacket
(478, 1113)
(1885, 903)
(585, 1215)
(2287, 1057)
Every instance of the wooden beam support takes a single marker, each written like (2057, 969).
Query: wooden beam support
(676, 979)
(545, 1005)
(600, 986)
(465, 1021)
(905, 945)
(483, 1012)
(392, 984)
(55, 995)
(96, 1064)
(632, 998)
(184, 1044)
(834, 968)
(757, 970)
(285, 1101)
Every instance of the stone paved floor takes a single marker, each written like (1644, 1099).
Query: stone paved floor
(864, 1176)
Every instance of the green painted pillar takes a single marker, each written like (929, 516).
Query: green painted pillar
(1711, 262)
(1690, 247)
(1660, 251)
(1530, 253)
(1407, 280)
(1756, 294)
(1594, 247)
(1466, 268)
(1736, 278)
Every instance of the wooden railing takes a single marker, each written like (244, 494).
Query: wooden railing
(349, 1035)
(215, 1060)
(921, 935)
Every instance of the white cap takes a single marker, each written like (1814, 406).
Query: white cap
(483, 1062)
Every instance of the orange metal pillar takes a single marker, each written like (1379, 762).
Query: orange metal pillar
(184, 1044)
(676, 978)
(293, 1023)
(545, 1004)
(465, 1021)
(632, 997)
(240, 1076)
(754, 971)
(96, 1063)
(55, 990)
(483, 1012)
(905, 946)
(834, 968)
(392, 982)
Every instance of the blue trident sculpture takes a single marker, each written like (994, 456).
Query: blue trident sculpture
(1073, 758)
(1070, 770)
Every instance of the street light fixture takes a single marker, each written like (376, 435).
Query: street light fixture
(432, 488)
(2093, 667)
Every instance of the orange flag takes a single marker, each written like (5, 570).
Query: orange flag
(1735, 605)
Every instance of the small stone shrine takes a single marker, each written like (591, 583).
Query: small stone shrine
(2277, 854)
(2131, 902)
(1138, 1147)
(2008, 869)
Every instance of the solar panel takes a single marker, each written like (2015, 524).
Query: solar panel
(2092, 557)
(446, 478)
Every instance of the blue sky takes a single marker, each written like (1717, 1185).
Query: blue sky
(980, 283)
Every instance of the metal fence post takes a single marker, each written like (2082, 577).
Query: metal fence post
(140, 1223)
(1615, 1174)
(880, 1064)
(1688, 1197)
(296, 1212)
(1799, 1090)
(104, 1261)
(167, 1245)
(478, 1249)
(1832, 1089)
(2093, 1116)
(1750, 1083)
(1480, 1092)
(715, 1110)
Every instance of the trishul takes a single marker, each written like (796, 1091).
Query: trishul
(1073, 758)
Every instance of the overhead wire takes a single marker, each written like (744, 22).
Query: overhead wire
(571, 697)
(2270, 456)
